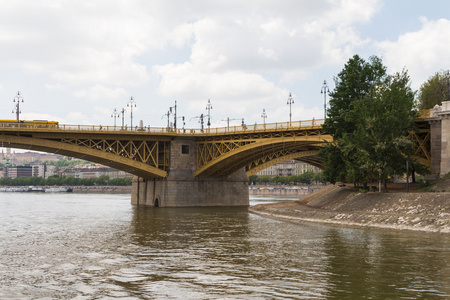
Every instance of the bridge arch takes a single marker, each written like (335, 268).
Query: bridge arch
(220, 159)
(131, 166)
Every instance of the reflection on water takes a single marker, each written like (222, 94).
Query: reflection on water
(100, 247)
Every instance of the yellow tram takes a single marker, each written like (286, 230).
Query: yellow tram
(28, 124)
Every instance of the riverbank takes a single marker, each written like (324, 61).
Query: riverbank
(282, 190)
(345, 206)
(72, 189)
(102, 189)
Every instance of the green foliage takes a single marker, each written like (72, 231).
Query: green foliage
(351, 85)
(370, 117)
(252, 179)
(334, 169)
(385, 117)
(67, 162)
(433, 91)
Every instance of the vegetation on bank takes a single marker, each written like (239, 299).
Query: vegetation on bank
(103, 180)
(370, 117)
(434, 91)
(305, 179)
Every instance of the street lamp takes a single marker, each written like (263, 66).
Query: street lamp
(290, 101)
(131, 104)
(19, 99)
(115, 115)
(264, 116)
(123, 116)
(208, 108)
(324, 91)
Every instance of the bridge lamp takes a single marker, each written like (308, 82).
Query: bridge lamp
(208, 108)
(18, 98)
(115, 115)
(264, 116)
(324, 91)
(123, 116)
(290, 101)
(131, 104)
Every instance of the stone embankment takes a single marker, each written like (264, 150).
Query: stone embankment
(345, 206)
(283, 190)
(102, 189)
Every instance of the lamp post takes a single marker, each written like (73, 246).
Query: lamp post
(264, 116)
(115, 115)
(208, 108)
(17, 99)
(200, 121)
(123, 116)
(131, 104)
(175, 116)
(167, 114)
(290, 101)
(324, 91)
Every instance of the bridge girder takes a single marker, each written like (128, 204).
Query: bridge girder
(220, 158)
(141, 158)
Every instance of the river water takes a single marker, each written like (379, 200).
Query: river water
(98, 246)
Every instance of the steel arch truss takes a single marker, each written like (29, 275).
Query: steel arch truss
(421, 146)
(144, 158)
(223, 155)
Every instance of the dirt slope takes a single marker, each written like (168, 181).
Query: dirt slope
(344, 206)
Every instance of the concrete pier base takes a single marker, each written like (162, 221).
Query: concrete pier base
(182, 189)
(185, 192)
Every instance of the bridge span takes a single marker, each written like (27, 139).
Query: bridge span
(177, 167)
(186, 167)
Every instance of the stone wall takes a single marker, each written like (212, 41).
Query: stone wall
(440, 139)
(181, 188)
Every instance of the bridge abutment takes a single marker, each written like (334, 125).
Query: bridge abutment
(440, 139)
(182, 189)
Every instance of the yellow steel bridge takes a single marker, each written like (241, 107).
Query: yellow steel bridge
(145, 151)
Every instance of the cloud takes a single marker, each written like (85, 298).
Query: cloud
(422, 53)
(101, 93)
(233, 46)
(80, 41)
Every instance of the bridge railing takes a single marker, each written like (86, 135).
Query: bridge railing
(254, 127)
(51, 126)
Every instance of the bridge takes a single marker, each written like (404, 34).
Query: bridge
(186, 167)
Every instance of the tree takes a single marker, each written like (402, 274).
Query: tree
(252, 179)
(385, 117)
(352, 84)
(370, 117)
(433, 91)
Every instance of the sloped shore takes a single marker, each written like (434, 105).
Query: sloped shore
(344, 206)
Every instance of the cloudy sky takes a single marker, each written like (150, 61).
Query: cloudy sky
(76, 61)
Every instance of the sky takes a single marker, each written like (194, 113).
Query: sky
(76, 62)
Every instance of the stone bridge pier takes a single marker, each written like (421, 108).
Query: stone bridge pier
(440, 139)
(182, 189)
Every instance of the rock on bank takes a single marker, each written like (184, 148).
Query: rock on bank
(345, 206)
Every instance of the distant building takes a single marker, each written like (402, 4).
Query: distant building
(288, 168)
(44, 171)
(18, 171)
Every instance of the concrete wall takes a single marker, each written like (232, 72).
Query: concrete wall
(440, 139)
(181, 188)
(435, 145)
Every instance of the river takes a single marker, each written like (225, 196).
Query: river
(98, 246)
